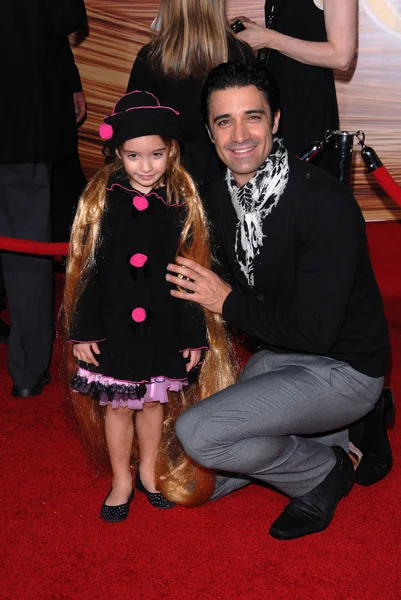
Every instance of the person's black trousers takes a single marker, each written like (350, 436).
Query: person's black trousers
(68, 182)
(25, 213)
(2, 289)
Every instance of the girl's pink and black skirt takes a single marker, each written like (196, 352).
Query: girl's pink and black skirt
(121, 394)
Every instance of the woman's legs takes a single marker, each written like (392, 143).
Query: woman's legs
(119, 435)
(149, 426)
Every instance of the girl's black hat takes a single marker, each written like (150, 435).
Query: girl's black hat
(137, 114)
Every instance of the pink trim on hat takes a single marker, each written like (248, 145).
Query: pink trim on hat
(140, 107)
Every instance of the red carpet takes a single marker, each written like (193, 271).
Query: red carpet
(54, 546)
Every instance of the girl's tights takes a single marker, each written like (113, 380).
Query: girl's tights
(149, 427)
(119, 429)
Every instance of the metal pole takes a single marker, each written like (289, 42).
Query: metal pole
(343, 142)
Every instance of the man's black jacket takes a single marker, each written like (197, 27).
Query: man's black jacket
(315, 290)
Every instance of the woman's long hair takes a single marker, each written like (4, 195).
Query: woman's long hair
(193, 37)
(177, 477)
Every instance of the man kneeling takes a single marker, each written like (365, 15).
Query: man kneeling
(294, 239)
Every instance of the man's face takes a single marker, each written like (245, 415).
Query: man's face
(240, 126)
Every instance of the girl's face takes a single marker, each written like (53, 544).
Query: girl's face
(144, 160)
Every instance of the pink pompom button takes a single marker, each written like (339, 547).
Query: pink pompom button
(138, 260)
(106, 131)
(140, 203)
(138, 314)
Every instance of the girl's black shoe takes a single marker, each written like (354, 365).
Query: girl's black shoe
(115, 514)
(155, 499)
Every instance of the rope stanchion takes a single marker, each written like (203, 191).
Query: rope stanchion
(31, 247)
(343, 141)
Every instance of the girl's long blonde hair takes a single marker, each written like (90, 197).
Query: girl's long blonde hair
(177, 477)
(193, 37)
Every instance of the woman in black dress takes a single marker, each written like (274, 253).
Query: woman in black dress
(308, 40)
(174, 66)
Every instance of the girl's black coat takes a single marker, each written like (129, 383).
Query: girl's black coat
(314, 291)
(137, 351)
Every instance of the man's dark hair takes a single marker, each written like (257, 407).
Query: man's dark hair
(235, 74)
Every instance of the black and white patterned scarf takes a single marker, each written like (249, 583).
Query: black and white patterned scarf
(254, 201)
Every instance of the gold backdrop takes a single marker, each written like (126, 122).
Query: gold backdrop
(369, 95)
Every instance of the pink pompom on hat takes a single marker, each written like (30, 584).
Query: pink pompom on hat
(137, 114)
(105, 131)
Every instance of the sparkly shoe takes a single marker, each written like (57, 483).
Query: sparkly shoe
(115, 514)
(155, 499)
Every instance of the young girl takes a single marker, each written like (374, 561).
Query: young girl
(133, 341)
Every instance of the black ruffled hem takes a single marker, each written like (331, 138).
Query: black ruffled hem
(108, 393)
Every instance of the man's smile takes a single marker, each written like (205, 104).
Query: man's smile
(243, 151)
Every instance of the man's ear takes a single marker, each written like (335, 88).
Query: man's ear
(276, 121)
(210, 133)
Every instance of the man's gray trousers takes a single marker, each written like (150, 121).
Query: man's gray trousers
(278, 422)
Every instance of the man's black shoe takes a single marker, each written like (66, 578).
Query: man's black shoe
(4, 332)
(19, 392)
(370, 436)
(314, 511)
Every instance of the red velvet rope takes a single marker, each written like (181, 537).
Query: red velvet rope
(388, 184)
(31, 247)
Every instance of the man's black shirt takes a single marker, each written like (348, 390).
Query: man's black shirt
(314, 288)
